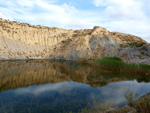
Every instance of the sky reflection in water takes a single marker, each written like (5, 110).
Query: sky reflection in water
(62, 95)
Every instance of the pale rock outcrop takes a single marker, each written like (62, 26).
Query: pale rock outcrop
(25, 41)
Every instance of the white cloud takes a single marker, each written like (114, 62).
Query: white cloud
(128, 16)
(128, 9)
(61, 87)
(3, 16)
(6, 14)
(99, 2)
(44, 12)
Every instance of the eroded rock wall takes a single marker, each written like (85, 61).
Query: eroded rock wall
(20, 41)
(25, 41)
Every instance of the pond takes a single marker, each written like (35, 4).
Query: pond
(46, 86)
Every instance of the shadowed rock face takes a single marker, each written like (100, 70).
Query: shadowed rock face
(25, 41)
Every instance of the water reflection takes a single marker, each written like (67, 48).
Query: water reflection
(52, 86)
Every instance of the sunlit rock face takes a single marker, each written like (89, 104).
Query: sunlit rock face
(25, 41)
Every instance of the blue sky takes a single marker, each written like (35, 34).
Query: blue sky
(126, 16)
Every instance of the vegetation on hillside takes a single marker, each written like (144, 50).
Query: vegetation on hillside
(137, 44)
(133, 44)
(116, 64)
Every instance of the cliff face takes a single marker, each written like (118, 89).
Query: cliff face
(25, 41)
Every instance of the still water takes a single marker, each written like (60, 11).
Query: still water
(61, 86)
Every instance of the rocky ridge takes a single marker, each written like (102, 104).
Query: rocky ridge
(25, 41)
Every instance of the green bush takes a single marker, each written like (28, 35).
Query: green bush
(116, 64)
(113, 63)
(137, 44)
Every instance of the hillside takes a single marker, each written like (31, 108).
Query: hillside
(25, 41)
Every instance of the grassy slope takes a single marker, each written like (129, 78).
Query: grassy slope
(116, 64)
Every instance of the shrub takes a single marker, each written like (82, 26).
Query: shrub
(116, 64)
(98, 107)
(142, 105)
(137, 44)
(112, 63)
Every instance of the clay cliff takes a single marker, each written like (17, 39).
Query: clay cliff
(25, 41)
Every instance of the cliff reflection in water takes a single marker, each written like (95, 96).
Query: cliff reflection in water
(50, 90)
(14, 74)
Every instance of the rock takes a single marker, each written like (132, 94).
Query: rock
(25, 41)
(146, 49)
